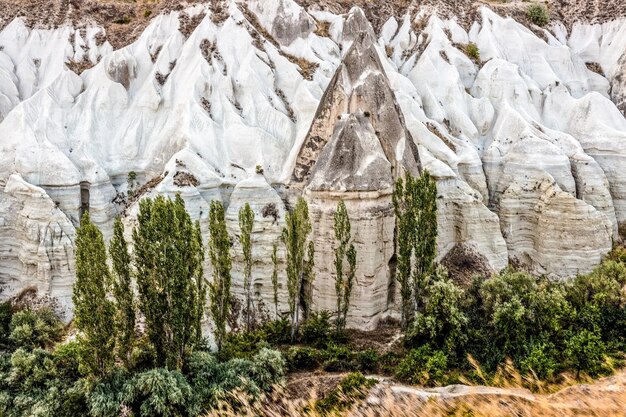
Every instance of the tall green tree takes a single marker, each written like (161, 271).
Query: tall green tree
(94, 313)
(168, 263)
(275, 277)
(246, 223)
(415, 206)
(122, 293)
(425, 235)
(404, 247)
(344, 280)
(294, 236)
(219, 254)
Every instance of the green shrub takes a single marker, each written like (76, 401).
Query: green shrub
(423, 366)
(242, 345)
(67, 360)
(367, 360)
(338, 358)
(35, 328)
(585, 352)
(541, 360)
(6, 313)
(472, 51)
(538, 14)
(277, 332)
(158, 393)
(317, 330)
(442, 322)
(303, 358)
(353, 387)
(107, 396)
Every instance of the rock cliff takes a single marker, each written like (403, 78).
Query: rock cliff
(263, 101)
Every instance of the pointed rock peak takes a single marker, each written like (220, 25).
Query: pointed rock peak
(353, 160)
(359, 84)
(284, 19)
(357, 26)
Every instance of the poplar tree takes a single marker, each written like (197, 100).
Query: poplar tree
(246, 223)
(294, 236)
(308, 278)
(415, 206)
(343, 281)
(168, 263)
(122, 293)
(404, 246)
(94, 313)
(425, 236)
(219, 254)
(275, 277)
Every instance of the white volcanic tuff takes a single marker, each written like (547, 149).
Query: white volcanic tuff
(267, 231)
(36, 241)
(534, 110)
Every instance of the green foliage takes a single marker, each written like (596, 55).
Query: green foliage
(131, 183)
(158, 393)
(344, 280)
(94, 313)
(275, 277)
(472, 51)
(338, 358)
(242, 345)
(585, 352)
(168, 262)
(246, 223)
(303, 358)
(122, 293)
(219, 253)
(352, 388)
(35, 328)
(276, 332)
(367, 360)
(538, 14)
(541, 360)
(6, 314)
(415, 206)
(441, 322)
(317, 330)
(294, 236)
(423, 366)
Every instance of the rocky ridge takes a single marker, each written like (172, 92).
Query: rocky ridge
(265, 101)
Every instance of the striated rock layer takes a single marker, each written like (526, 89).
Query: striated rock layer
(265, 101)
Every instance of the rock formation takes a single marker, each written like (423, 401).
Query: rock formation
(264, 101)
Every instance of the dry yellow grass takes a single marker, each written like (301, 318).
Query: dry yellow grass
(602, 398)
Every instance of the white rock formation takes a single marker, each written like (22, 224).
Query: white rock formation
(528, 144)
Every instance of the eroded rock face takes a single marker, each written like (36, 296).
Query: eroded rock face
(527, 142)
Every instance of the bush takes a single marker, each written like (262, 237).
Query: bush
(303, 358)
(6, 313)
(472, 51)
(367, 360)
(441, 323)
(338, 358)
(242, 345)
(35, 328)
(353, 387)
(158, 393)
(585, 352)
(538, 14)
(317, 330)
(277, 332)
(541, 360)
(423, 366)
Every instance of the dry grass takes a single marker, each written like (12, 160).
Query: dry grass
(602, 398)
